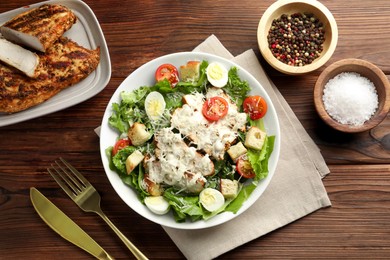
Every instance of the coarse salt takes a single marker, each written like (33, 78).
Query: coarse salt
(350, 98)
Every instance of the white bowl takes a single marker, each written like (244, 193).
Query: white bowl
(144, 76)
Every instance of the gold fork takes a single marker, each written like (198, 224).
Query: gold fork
(85, 196)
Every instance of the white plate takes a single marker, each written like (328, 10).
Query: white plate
(87, 33)
(144, 76)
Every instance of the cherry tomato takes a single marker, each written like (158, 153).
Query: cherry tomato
(169, 72)
(244, 167)
(215, 108)
(119, 145)
(255, 106)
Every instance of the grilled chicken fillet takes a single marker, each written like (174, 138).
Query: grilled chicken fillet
(40, 27)
(65, 63)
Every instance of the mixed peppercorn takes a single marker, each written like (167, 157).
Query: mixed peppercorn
(296, 39)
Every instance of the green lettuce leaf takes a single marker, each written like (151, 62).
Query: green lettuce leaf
(236, 88)
(242, 196)
(259, 160)
(131, 109)
(119, 159)
(183, 205)
(131, 97)
(118, 164)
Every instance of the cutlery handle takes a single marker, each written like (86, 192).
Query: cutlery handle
(136, 252)
(105, 256)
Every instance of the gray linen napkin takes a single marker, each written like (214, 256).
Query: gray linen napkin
(295, 190)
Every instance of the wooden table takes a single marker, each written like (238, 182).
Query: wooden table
(356, 226)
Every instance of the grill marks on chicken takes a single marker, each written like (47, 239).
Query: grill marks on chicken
(62, 62)
(65, 63)
(40, 27)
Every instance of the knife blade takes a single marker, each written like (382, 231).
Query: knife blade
(64, 226)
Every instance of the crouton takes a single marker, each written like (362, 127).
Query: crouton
(133, 160)
(138, 134)
(255, 138)
(236, 151)
(229, 188)
(190, 72)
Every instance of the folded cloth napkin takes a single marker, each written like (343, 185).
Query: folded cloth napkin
(295, 190)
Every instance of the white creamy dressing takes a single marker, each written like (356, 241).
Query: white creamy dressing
(210, 137)
(177, 164)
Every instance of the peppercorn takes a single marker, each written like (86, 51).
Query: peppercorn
(296, 39)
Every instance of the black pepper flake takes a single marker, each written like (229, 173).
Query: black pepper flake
(296, 39)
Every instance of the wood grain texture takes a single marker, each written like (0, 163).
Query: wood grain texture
(357, 226)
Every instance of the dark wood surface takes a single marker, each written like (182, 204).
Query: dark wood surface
(357, 226)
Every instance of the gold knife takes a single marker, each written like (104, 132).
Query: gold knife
(64, 226)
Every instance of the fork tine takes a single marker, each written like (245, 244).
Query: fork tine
(69, 178)
(76, 173)
(62, 182)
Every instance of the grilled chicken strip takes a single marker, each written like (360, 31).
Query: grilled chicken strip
(64, 64)
(40, 27)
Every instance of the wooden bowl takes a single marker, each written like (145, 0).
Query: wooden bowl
(298, 6)
(365, 69)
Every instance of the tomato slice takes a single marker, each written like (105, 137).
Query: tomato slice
(255, 106)
(169, 72)
(119, 145)
(215, 108)
(244, 167)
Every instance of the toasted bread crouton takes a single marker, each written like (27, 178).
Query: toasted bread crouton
(229, 188)
(255, 138)
(190, 72)
(133, 160)
(138, 134)
(236, 151)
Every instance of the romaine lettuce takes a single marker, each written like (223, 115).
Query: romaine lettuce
(183, 206)
(236, 88)
(242, 196)
(259, 159)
